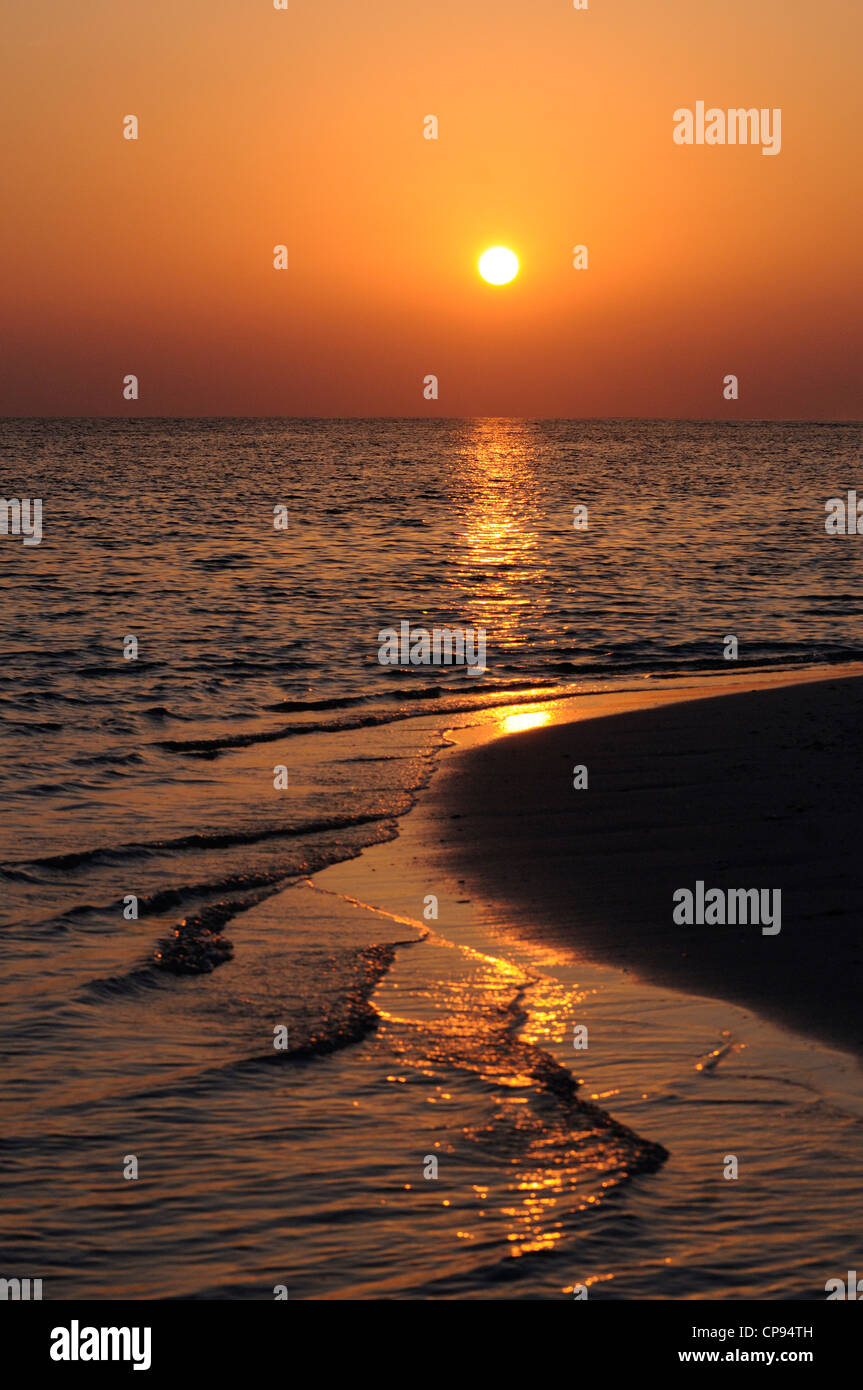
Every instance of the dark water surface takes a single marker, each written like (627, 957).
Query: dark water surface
(257, 649)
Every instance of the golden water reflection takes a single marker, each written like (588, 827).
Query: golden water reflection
(502, 559)
(531, 719)
(476, 1026)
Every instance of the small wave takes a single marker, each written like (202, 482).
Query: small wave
(134, 982)
(195, 947)
(211, 747)
(163, 712)
(354, 1017)
(402, 692)
(348, 1018)
(199, 840)
(163, 899)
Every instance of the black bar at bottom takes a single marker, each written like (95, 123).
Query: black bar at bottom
(259, 1341)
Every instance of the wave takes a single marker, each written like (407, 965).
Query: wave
(196, 841)
(196, 946)
(406, 692)
(347, 1018)
(162, 899)
(549, 683)
(210, 747)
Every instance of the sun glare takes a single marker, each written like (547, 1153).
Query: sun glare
(498, 266)
(531, 719)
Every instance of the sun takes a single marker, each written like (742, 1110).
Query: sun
(499, 265)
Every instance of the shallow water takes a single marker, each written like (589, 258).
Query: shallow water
(537, 1195)
(154, 778)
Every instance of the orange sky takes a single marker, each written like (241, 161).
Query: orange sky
(259, 127)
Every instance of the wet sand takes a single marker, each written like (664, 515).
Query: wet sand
(760, 789)
(487, 869)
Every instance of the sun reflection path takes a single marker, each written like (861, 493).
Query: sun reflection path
(502, 562)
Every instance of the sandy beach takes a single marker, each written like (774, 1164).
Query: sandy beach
(756, 789)
(431, 988)
(554, 912)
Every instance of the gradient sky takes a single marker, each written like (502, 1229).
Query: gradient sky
(304, 127)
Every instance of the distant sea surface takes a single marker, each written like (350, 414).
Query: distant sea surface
(257, 648)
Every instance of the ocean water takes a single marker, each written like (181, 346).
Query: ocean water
(153, 779)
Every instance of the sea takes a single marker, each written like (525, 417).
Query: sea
(196, 720)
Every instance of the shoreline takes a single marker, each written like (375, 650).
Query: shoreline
(746, 789)
(498, 749)
(698, 1074)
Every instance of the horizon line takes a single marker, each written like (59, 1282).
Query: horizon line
(441, 419)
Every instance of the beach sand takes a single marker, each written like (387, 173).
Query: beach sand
(553, 912)
(757, 789)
